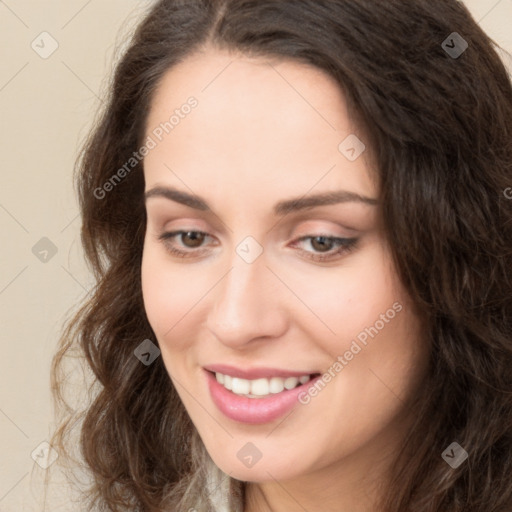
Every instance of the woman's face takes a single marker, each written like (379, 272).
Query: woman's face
(258, 174)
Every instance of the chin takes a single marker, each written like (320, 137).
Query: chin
(264, 470)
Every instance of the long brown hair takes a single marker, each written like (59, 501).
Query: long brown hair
(439, 126)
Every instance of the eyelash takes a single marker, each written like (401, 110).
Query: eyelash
(346, 245)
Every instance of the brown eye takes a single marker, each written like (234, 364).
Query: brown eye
(183, 243)
(192, 239)
(322, 243)
(324, 248)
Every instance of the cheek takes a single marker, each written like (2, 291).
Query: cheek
(168, 295)
(352, 297)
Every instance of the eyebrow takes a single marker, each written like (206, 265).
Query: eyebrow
(281, 208)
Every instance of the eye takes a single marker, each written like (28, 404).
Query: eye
(189, 240)
(326, 247)
(192, 239)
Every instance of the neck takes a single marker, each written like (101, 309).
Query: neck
(314, 494)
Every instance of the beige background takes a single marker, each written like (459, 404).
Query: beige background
(46, 108)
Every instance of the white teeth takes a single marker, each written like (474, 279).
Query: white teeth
(276, 385)
(259, 388)
(291, 382)
(240, 386)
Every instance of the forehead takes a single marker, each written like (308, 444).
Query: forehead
(256, 122)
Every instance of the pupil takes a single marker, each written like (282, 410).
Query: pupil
(323, 245)
(194, 237)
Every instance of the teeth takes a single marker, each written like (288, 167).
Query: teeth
(276, 385)
(259, 388)
(291, 382)
(240, 386)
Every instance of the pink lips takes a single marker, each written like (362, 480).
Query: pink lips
(254, 410)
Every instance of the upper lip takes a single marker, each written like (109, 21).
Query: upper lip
(255, 372)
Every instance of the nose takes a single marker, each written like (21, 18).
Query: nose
(248, 305)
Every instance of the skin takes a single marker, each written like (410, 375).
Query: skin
(265, 131)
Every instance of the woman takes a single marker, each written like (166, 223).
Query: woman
(295, 213)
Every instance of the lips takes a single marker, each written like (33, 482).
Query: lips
(254, 410)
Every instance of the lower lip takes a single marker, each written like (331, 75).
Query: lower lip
(254, 411)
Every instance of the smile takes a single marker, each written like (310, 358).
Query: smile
(259, 388)
(258, 400)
